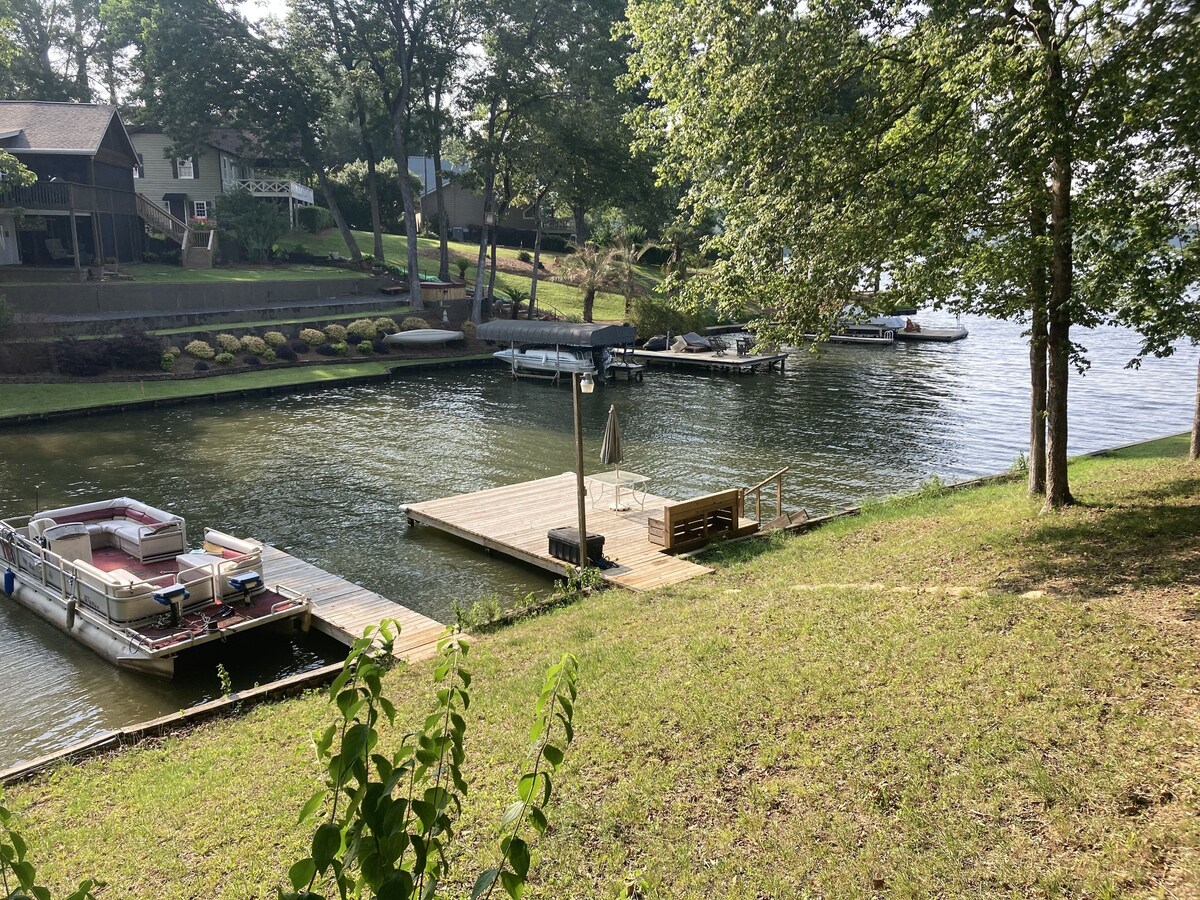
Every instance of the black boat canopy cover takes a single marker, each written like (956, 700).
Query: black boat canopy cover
(569, 334)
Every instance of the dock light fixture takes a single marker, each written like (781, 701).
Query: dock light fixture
(579, 385)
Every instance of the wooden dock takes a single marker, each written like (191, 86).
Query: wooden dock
(342, 609)
(514, 520)
(728, 362)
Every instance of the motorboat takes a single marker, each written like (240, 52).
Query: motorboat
(119, 577)
(556, 361)
(420, 336)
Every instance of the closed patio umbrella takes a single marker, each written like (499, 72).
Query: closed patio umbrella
(610, 452)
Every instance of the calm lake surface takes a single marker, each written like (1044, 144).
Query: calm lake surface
(321, 474)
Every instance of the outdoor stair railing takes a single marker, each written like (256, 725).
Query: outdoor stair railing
(757, 490)
(161, 220)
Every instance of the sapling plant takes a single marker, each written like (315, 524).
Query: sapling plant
(386, 821)
(18, 878)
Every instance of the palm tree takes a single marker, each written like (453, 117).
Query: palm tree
(590, 269)
(628, 247)
(517, 296)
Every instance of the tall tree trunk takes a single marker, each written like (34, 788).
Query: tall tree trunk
(1037, 356)
(372, 177)
(373, 199)
(400, 147)
(1058, 491)
(589, 300)
(489, 188)
(336, 212)
(579, 211)
(82, 85)
(537, 256)
(1194, 452)
(439, 191)
(501, 209)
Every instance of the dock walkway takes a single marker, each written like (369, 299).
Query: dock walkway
(342, 609)
(728, 361)
(514, 520)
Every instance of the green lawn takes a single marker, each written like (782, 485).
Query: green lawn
(27, 399)
(562, 298)
(154, 273)
(947, 696)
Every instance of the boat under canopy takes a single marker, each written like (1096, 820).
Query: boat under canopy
(563, 334)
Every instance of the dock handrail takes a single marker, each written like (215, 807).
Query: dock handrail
(757, 490)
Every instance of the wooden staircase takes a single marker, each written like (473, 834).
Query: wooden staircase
(197, 249)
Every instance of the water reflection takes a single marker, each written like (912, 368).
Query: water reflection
(322, 474)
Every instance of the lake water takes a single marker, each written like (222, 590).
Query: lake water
(321, 474)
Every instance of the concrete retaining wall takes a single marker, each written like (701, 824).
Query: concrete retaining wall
(107, 298)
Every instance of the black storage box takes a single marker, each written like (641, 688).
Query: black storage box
(564, 545)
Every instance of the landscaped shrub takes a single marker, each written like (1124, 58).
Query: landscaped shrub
(412, 323)
(174, 351)
(298, 347)
(335, 333)
(135, 350)
(200, 350)
(253, 361)
(468, 330)
(168, 362)
(341, 348)
(363, 328)
(325, 350)
(80, 358)
(287, 353)
(229, 343)
(201, 366)
(353, 338)
(651, 317)
(253, 344)
(524, 256)
(379, 346)
(365, 348)
(275, 338)
(269, 355)
(225, 359)
(386, 324)
(314, 218)
(462, 264)
(312, 337)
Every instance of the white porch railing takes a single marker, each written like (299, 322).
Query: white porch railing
(276, 187)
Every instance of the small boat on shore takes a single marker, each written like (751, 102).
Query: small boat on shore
(420, 336)
(118, 576)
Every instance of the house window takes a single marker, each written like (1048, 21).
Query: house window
(139, 171)
(185, 168)
(200, 209)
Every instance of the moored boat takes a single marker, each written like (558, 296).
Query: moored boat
(118, 576)
(544, 361)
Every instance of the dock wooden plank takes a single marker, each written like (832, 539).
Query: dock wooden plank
(342, 609)
(513, 519)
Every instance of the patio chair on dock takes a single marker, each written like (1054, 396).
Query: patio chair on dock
(718, 344)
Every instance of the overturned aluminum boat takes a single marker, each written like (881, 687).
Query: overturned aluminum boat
(420, 336)
(118, 576)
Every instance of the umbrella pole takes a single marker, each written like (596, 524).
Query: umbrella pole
(617, 502)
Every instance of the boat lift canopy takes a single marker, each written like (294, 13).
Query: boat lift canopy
(567, 334)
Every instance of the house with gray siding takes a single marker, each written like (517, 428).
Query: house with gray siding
(189, 187)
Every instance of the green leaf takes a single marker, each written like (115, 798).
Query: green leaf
(313, 804)
(302, 873)
(518, 857)
(18, 844)
(483, 883)
(396, 886)
(512, 814)
(553, 755)
(327, 841)
(525, 786)
(514, 885)
(24, 872)
(43, 893)
(537, 819)
(325, 741)
(426, 812)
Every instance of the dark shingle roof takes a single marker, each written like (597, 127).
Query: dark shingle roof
(43, 126)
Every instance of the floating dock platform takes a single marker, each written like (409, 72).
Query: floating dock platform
(515, 519)
(342, 609)
(728, 361)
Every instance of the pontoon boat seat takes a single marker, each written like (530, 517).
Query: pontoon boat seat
(119, 594)
(142, 531)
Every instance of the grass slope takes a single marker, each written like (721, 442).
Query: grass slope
(155, 273)
(27, 399)
(948, 695)
(563, 298)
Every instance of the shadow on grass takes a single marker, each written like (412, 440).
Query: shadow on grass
(1108, 550)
